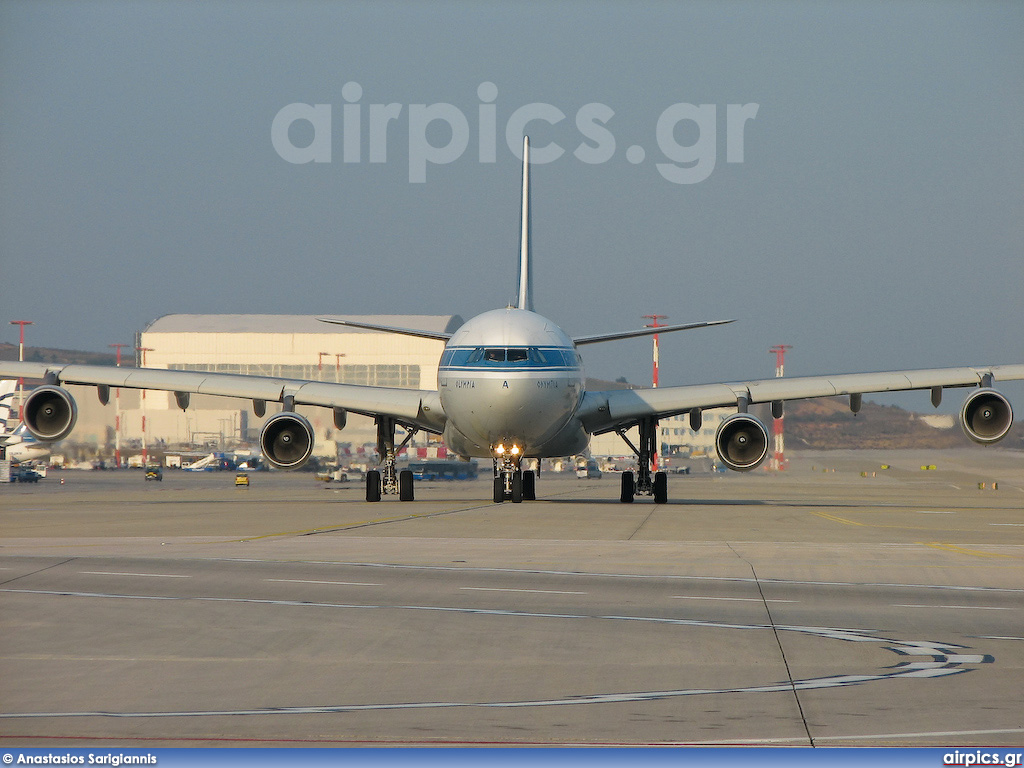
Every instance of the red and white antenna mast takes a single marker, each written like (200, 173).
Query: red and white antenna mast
(21, 358)
(145, 453)
(778, 460)
(117, 409)
(654, 374)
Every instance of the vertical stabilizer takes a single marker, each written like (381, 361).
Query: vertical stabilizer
(525, 275)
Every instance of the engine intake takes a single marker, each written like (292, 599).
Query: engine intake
(741, 442)
(986, 416)
(50, 413)
(287, 440)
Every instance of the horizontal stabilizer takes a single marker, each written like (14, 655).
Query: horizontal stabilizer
(646, 332)
(438, 335)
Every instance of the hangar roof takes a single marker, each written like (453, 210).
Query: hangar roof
(294, 323)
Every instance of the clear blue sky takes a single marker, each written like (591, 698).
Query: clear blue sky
(876, 220)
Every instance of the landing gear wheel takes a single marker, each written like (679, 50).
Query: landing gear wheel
(499, 490)
(660, 488)
(628, 488)
(529, 485)
(405, 492)
(517, 487)
(373, 485)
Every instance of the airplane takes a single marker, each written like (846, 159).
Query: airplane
(18, 445)
(511, 387)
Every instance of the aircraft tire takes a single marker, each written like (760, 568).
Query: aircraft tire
(405, 491)
(660, 488)
(517, 487)
(628, 488)
(499, 490)
(530, 485)
(373, 485)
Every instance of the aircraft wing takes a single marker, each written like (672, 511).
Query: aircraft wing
(435, 335)
(421, 408)
(615, 409)
(649, 331)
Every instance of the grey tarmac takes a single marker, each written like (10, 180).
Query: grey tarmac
(836, 603)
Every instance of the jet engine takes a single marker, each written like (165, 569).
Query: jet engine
(986, 416)
(741, 442)
(286, 440)
(50, 413)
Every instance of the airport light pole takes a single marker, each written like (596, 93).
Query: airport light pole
(337, 366)
(21, 359)
(320, 364)
(117, 409)
(778, 461)
(145, 455)
(654, 377)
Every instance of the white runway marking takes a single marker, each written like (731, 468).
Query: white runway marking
(942, 659)
(922, 735)
(967, 607)
(734, 599)
(530, 591)
(338, 583)
(154, 575)
(670, 577)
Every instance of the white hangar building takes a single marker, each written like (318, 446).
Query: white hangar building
(288, 346)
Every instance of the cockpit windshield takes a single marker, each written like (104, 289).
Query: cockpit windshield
(527, 357)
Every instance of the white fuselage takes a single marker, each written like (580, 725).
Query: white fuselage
(510, 377)
(21, 446)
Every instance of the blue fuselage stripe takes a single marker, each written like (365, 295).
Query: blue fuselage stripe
(506, 368)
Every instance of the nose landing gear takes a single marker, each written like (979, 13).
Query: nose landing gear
(511, 481)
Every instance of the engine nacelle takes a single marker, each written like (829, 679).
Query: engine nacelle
(286, 440)
(741, 442)
(50, 413)
(986, 416)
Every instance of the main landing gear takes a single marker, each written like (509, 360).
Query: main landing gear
(388, 480)
(644, 483)
(511, 481)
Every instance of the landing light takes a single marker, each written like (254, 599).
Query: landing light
(515, 450)
(500, 449)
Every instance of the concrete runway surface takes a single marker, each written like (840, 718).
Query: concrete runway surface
(833, 604)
